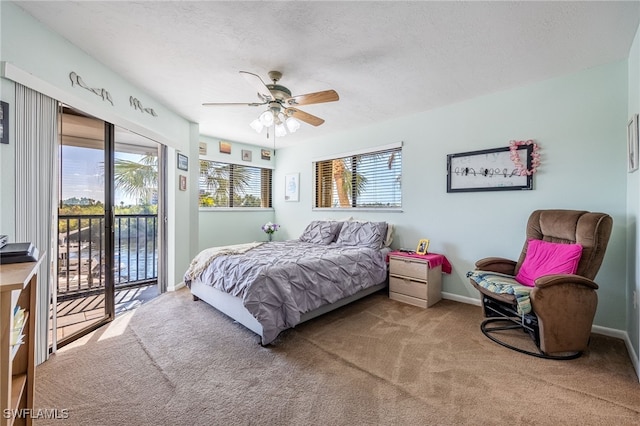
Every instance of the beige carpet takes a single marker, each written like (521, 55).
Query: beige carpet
(377, 361)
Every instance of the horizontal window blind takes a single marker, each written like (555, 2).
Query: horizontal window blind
(234, 185)
(369, 180)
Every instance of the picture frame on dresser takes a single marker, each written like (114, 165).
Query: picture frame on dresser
(423, 246)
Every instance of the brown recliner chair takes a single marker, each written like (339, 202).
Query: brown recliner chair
(562, 305)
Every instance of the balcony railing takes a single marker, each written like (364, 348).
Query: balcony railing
(81, 253)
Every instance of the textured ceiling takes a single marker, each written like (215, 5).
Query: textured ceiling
(385, 59)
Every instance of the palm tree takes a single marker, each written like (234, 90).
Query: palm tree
(137, 179)
(343, 179)
(226, 181)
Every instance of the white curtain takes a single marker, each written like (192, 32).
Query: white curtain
(36, 130)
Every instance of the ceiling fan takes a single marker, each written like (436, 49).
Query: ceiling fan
(281, 104)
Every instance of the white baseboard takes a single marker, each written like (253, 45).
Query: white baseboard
(176, 287)
(461, 299)
(620, 334)
(611, 332)
(606, 331)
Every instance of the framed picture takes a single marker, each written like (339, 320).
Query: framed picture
(423, 246)
(292, 187)
(183, 162)
(202, 148)
(225, 147)
(4, 122)
(183, 183)
(246, 155)
(632, 144)
(488, 170)
(265, 154)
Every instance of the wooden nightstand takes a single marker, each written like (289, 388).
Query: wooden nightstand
(412, 280)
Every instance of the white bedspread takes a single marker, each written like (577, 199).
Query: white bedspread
(205, 257)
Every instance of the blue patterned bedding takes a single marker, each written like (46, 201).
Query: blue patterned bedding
(279, 281)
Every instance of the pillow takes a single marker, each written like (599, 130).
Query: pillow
(388, 239)
(544, 258)
(320, 232)
(362, 234)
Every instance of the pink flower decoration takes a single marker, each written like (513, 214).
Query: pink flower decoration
(535, 157)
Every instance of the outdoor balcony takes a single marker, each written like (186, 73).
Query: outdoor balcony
(80, 284)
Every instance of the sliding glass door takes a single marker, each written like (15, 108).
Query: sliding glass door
(109, 250)
(83, 296)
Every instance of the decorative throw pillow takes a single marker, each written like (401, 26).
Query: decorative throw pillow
(544, 258)
(320, 232)
(362, 234)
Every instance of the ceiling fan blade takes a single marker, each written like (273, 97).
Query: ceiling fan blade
(313, 98)
(258, 84)
(303, 116)
(233, 104)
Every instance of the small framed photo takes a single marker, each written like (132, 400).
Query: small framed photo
(246, 155)
(632, 144)
(292, 187)
(183, 183)
(4, 122)
(225, 147)
(183, 162)
(265, 154)
(202, 148)
(423, 246)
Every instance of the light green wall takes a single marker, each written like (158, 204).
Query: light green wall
(233, 226)
(579, 122)
(633, 207)
(7, 166)
(42, 60)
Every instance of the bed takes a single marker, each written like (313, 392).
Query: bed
(270, 287)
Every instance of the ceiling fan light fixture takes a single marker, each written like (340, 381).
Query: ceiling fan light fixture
(278, 99)
(280, 130)
(266, 118)
(292, 124)
(257, 125)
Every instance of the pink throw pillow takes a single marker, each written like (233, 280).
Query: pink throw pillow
(545, 258)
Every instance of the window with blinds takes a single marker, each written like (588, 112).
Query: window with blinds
(370, 180)
(233, 185)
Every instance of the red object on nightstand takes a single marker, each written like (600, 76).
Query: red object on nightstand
(434, 259)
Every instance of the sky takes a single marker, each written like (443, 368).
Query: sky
(83, 176)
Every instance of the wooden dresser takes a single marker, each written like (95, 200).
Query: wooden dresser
(412, 280)
(18, 283)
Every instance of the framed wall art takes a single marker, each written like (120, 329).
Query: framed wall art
(292, 187)
(265, 154)
(183, 162)
(4, 122)
(225, 147)
(246, 155)
(488, 170)
(632, 144)
(183, 183)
